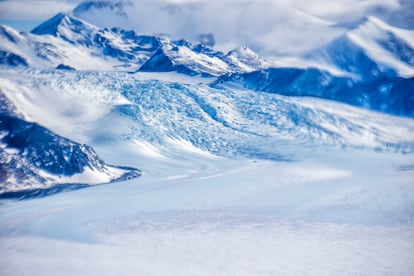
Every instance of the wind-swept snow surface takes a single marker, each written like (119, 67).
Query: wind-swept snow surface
(203, 216)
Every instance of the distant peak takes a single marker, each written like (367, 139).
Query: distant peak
(50, 26)
(5, 28)
(9, 33)
(54, 25)
(243, 50)
(183, 42)
(117, 6)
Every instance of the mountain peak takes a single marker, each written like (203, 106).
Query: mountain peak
(9, 33)
(50, 26)
(57, 24)
(244, 59)
(67, 27)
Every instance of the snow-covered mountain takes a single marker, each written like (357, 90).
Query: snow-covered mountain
(67, 40)
(389, 94)
(184, 57)
(372, 49)
(369, 51)
(373, 69)
(373, 32)
(70, 41)
(33, 157)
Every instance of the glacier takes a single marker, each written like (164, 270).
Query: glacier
(224, 163)
(224, 170)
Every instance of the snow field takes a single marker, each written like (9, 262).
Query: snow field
(202, 244)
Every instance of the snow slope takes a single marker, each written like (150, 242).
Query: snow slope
(389, 94)
(32, 157)
(370, 66)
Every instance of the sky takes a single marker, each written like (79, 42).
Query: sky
(266, 26)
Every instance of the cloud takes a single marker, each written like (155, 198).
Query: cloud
(341, 10)
(269, 27)
(33, 9)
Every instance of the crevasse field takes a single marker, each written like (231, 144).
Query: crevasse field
(235, 182)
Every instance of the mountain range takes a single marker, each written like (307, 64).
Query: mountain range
(370, 66)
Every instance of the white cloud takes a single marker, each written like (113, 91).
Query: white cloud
(33, 9)
(340, 10)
